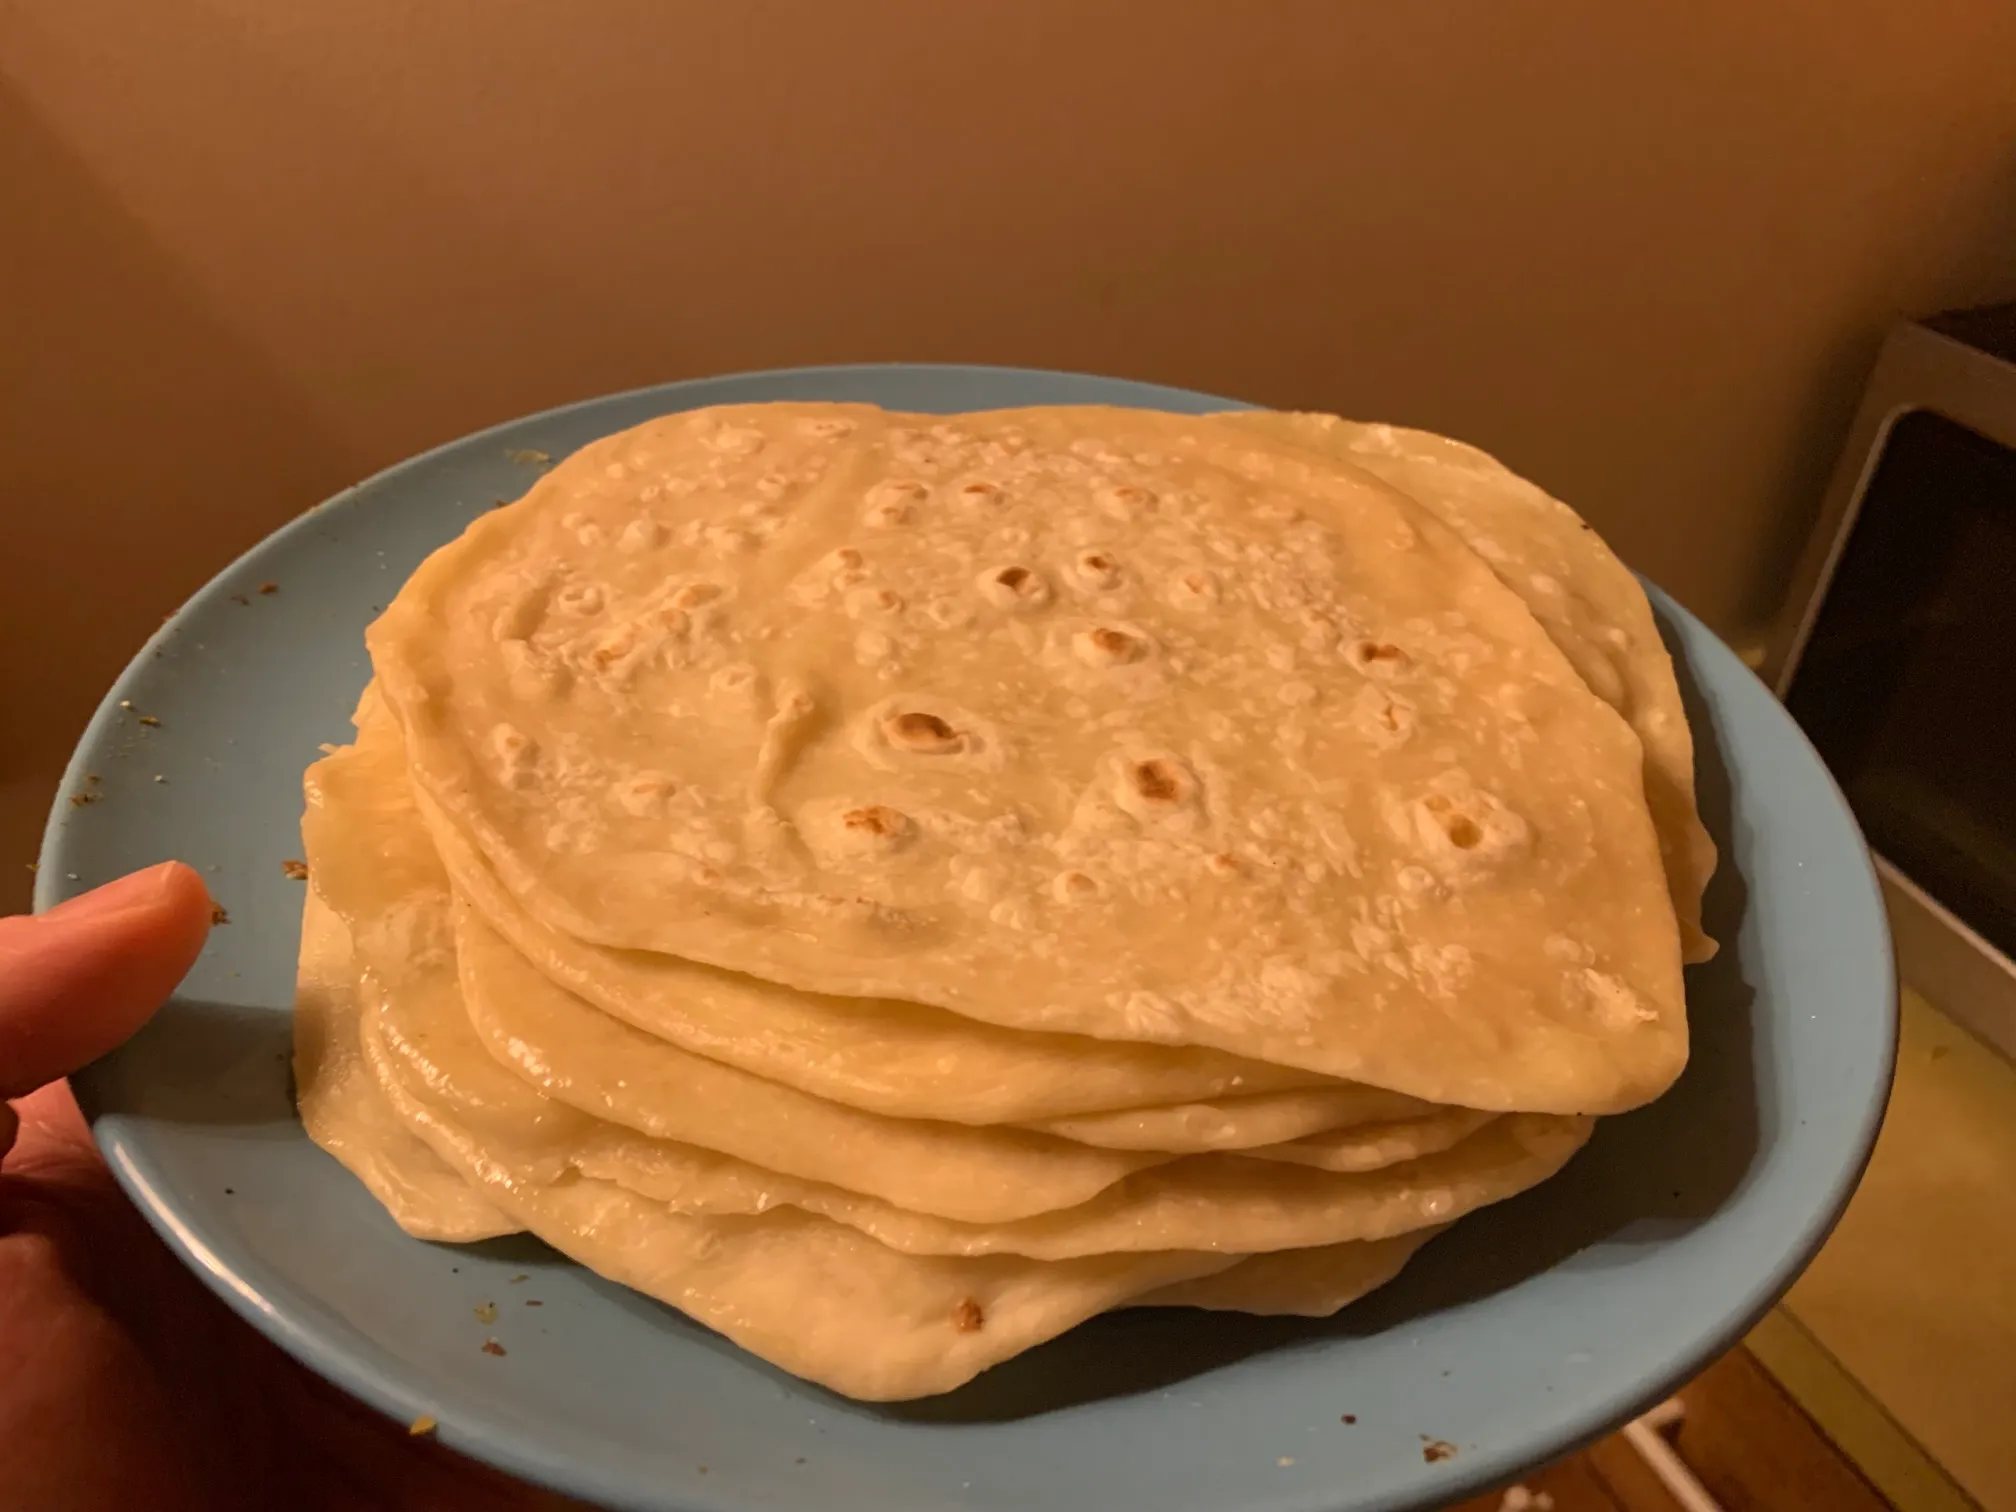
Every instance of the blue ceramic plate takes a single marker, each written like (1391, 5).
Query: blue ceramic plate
(1534, 1326)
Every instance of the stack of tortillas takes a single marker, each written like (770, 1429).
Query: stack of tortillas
(893, 887)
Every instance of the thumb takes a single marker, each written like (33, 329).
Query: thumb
(78, 980)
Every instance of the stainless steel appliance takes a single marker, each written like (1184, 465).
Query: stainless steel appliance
(1897, 653)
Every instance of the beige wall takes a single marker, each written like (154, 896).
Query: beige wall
(251, 250)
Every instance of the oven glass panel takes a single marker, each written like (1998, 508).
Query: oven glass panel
(1908, 682)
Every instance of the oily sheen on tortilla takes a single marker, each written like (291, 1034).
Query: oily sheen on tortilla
(958, 712)
(882, 1056)
(1306, 1283)
(1373, 1147)
(820, 1298)
(384, 880)
(888, 1176)
(1220, 1203)
(591, 1062)
(357, 1119)
(1238, 1123)
(344, 1112)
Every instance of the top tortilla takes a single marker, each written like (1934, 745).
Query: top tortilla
(1137, 726)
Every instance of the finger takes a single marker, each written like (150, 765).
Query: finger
(78, 980)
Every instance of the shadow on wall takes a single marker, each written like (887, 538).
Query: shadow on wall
(133, 425)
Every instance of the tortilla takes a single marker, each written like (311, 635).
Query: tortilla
(1218, 1203)
(1307, 1283)
(817, 1298)
(1373, 1147)
(591, 1062)
(957, 712)
(1238, 1123)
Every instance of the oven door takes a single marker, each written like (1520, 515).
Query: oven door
(1901, 665)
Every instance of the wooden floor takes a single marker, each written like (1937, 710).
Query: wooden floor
(1749, 1445)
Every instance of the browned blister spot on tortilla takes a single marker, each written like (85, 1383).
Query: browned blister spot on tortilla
(1158, 781)
(922, 734)
(1104, 646)
(1015, 587)
(1096, 569)
(1461, 829)
(1193, 589)
(876, 820)
(880, 603)
(1075, 887)
(1379, 658)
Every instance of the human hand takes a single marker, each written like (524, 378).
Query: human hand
(123, 1382)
